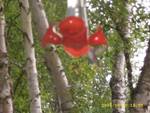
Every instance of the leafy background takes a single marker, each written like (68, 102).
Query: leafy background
(89, 83)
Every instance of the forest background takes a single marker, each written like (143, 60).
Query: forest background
(38, 80)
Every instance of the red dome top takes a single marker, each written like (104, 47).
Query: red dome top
(71, 25)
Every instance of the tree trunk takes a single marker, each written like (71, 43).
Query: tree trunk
(142, 92)
(123, 32)
(117, 84)
(31, 70)
(6, 104)
(52, 60)
(123, 29)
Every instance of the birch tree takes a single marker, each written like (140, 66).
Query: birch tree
(52, 59)
(117, 84)
(31, 70)
(141, 98)
(123, 28)
(6, 104)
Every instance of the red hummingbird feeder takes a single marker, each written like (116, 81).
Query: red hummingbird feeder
(74, 36)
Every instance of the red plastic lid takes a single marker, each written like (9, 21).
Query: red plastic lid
(71, 25)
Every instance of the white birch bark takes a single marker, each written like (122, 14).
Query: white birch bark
(141, 100)
(117, 84)
(31, 70)
(6, 104)
(123, 29)
(52, 60)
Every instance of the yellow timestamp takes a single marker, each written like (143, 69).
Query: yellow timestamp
(110, 105)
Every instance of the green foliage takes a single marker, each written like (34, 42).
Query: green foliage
(55, 10)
